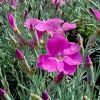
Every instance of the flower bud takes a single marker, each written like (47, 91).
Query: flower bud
(45, 95)
(4, 95)
(89, 70)
(2, 92)
(14, 4)
(24, 64)
(59, 77)
(26, 14)
(19, 54)
(88, 60)
(12, 21)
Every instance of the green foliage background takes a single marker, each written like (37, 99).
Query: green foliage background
(20, 85)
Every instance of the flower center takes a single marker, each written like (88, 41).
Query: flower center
(60, 56)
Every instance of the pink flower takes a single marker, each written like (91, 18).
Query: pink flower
(96, 13)
(12, 21)
(62, 56)
(50, 26)
(19, 54)
(58, 2)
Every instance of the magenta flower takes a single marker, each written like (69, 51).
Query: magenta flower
(96, 13)
(58, 2)
(62, 56)
(51, 25)
(19, 54)
(12, 21)
(2, 92)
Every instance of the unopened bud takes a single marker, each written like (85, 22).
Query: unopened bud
(12, 21)
(45, 96)
(26, 14)
(4, 95)
(89, 69)
(14, 4)
(19, 54)
(59, 77)
(2, 92)
(24, 63)
(88, 60)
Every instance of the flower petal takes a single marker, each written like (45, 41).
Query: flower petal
(47, 62)
(60, 66)
(52, 25)
(69, 69)
(68, 26)
(41, 26)
(56, 44)
(12, 21)
(55, 20)
(73, 48)
(75, 59)
(31, 22)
